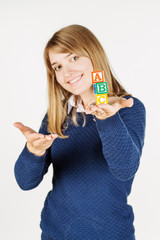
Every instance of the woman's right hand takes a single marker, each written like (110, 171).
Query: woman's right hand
(37, 143)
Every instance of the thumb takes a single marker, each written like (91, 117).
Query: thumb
(24, 129)
(130, 102)
(19, 125)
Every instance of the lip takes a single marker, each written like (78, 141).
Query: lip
(73, 84)
(74, 78)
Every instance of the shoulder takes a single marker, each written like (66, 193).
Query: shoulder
(44, 124)
(134, 117)
(45, 119)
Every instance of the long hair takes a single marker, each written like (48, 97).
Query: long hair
(75, 39)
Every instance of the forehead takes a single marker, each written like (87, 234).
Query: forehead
(56, 57)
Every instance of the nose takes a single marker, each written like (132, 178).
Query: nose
(68, 71)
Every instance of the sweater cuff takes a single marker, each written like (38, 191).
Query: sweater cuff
(110, 124)
(31, 157)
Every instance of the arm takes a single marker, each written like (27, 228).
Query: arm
(122, 137)
(29, 169)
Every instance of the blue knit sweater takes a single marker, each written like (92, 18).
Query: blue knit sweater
(93, 173)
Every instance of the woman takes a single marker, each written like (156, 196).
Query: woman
(95, 149)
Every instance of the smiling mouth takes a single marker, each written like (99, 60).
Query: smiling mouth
(75, 81)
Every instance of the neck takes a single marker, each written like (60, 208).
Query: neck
(88, 99)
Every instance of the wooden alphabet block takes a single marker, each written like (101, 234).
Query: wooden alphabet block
(97, 76)
(94, 86)
(101, 99)
(100, 87)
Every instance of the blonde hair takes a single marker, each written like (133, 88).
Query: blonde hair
(75, 39)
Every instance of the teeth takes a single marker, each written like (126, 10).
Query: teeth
(75, 80)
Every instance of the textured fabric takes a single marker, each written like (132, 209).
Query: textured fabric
(93, 174)
(44, 237)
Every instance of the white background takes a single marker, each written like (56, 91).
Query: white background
(129, 33)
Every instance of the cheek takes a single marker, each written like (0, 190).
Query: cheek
(89, 68)
(59, 79)
(88, 71)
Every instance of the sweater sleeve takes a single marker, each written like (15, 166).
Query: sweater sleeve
(29, 169)
(122, 136)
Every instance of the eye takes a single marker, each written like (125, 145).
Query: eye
(75, 58)
(56, 68)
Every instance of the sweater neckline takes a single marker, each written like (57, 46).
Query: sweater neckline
(80, 119)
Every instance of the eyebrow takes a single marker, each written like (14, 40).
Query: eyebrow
(64, 57)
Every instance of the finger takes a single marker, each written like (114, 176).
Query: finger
(88, 111)
(20, 126)
(97, 111)
(34, 136)
(126, 102)
(24, 129)
(91, 104)
(130, 102)
(40, 137)
(51, 136)
(105, 107)
(94, 110)
(43, 141)
(88, 108)
(47, 139)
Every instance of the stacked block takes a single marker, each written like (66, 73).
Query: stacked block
(100, 87)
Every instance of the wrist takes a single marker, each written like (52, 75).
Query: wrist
(35, 152)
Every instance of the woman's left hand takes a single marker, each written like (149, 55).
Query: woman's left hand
(103, 111)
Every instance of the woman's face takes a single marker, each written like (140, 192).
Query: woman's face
(72, 72)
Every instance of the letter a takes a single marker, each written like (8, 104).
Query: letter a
(97, 78)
